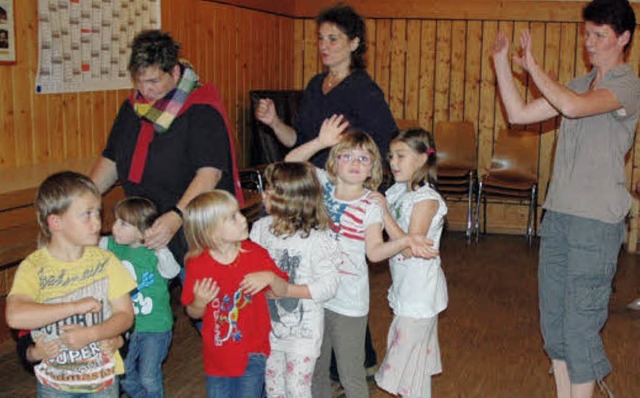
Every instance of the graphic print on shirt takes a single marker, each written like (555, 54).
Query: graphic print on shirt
(226, 313)
(287, 313)
(141, 305)
(346, 219)
(89, 368)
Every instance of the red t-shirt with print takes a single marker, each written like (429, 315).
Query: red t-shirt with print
(234, 323)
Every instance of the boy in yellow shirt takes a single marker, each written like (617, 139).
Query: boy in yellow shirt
(71, 294)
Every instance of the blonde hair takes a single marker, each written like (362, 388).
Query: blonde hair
(56, 193)
(357, 140)
(420, 141)
(203, 217)
(295, 199)
(136, 211)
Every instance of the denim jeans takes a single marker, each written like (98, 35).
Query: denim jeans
(143, 364)
(249, 385)
(49, 392)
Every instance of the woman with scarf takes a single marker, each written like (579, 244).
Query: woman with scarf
(170, 141)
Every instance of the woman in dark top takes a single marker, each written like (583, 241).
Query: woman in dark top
(345, 88)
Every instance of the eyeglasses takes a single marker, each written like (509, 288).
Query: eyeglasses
(349, 157)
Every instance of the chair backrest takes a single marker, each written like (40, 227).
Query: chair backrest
(517, 151)
(404, 124)
(456, 145)
(264, 146)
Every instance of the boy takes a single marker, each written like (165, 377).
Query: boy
(71, 293)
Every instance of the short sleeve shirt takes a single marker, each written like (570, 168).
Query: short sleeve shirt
(588, 173)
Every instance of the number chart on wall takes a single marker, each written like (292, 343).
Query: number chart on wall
(84, 45)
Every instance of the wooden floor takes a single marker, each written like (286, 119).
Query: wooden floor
(489, 335)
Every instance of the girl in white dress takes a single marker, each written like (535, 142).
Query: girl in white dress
(418, 291)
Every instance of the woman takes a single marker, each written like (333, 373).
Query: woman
(344, 88)
(587, 201)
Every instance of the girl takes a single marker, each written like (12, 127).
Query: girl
(418, 291)
(353, 173)
(149, 343)
(224, 285)
(296, 235)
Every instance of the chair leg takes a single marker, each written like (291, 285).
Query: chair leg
(469, 207)
(477, 218)
(532, 211)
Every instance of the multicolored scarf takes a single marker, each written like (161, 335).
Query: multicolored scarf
(159, 116)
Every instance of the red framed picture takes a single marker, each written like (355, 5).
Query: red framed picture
(7, 32)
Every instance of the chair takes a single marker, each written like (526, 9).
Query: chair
(252, 188)
(457, 164)
(264, 145)
(513, 175)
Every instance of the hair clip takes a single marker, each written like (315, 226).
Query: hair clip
(430, 151)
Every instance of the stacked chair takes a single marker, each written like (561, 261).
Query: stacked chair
(513, 176)
(252, 188)
(456, 149)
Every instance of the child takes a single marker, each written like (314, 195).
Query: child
(418, 291)
(151, 337)
(72, 293)
(353, 173)
(224, 283)
(296, 235)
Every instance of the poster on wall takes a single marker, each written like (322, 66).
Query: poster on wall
(84, 45)
(7, 32)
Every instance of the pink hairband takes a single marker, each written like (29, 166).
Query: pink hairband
(431, 151)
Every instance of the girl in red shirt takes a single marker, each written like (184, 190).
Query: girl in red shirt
(226, 276)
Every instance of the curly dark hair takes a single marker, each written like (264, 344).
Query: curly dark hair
(352, 25)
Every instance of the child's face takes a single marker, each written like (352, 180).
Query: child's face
(125, 233)
(80, 224)
(234, 228)
(404, 161)
(354, 166)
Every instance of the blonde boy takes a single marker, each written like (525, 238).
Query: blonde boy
(71, 294)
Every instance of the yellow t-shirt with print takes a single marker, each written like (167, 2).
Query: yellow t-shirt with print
(98, 274)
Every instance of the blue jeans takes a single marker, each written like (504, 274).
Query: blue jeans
(249, 385)
(49, 392)
(143, 364)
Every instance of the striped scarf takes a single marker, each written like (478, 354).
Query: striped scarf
(164, 111)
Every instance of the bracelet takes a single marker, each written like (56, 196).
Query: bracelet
(177, 210)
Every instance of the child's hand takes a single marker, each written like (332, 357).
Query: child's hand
(44, 349)
(205, 290)
(111, 345)
(75, 336)
(256, 281)
(86, 305)
(331, 130)
(421, 246)
(379, 199)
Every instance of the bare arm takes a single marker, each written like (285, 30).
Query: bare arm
(266, 113)
(23, 312)
(104, 174)
(330, 134)
(166, 226)
(569, 103)
(76, 336)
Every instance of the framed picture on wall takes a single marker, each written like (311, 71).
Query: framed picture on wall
(7, 32)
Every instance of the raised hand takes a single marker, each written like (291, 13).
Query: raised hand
(332, 129)
(266, 111)
(525, 60)
(204, 291)
(500, 46)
